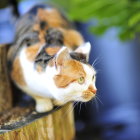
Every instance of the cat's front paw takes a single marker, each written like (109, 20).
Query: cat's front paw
(43, 105)
(40, 108)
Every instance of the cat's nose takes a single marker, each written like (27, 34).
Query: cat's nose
(92, 89)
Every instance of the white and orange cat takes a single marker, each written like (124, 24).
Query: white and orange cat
(49, 59)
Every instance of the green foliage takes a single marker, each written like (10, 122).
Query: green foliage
(124, 14)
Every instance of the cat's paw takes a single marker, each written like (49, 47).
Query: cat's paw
(43, 106)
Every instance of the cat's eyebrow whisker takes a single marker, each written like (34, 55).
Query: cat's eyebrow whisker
(96, 61)
(98, 71)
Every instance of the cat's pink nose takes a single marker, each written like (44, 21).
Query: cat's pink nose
(92, 89)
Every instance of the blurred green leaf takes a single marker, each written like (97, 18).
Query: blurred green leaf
(134, 19)
(124, 14)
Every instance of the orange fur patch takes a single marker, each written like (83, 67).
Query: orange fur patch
(70, 71)
(72, 39)
(52, 17)
(31, 51)
(17, 74)
(39, 68)
(51, 62)
(52, 51)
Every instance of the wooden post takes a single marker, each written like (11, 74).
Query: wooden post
(5, 90)
(58, 125)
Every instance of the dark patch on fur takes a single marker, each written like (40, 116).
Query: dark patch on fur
(24, 25)
(42, 58)
(25, 34)
(78, 56)
(54, 37)
(28, 39)
(35, 8)
(43, 24)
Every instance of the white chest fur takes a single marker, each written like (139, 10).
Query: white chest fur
(40, 84)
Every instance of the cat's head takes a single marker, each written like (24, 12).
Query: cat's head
(75, 79)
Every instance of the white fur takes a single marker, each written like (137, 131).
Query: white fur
(42, 83)
(85, 49)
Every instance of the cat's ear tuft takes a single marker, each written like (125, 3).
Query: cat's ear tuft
(62, 56)
(84, 49)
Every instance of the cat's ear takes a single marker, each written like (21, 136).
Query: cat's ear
(84, 49)
(62, 56)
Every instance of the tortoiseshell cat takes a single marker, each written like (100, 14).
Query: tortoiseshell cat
(49, 59)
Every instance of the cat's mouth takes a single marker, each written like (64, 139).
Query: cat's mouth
(89, 93)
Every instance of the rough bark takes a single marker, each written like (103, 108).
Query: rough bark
(5, 89)
(58, 125)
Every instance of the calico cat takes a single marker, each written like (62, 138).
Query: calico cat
(49, 59)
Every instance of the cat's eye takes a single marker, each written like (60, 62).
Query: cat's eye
(81, 80)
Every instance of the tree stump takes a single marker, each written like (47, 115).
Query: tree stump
(5, 89)
(54, 125)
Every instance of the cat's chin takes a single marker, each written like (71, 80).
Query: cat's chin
(81, 99)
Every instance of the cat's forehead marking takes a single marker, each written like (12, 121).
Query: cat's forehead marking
(69, 72)
(74, 68)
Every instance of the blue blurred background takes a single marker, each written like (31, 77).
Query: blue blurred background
(115, 113)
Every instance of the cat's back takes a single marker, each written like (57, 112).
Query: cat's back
(44, 24)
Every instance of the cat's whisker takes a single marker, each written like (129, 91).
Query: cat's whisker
(98, 71)
(96, 61)
(80, 107)
(91, 101)
(85, 104)
(99, 100)
(96, 105)
(56, 108)
(70, 109)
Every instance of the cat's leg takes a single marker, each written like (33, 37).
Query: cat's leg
(58, 103)
(43, 104)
